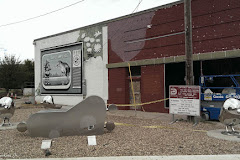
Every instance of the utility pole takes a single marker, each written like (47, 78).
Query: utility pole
(188, 43)
(188, 48)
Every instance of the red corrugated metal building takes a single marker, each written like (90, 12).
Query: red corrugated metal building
(153, 43)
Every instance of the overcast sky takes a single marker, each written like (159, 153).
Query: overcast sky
(17, 39)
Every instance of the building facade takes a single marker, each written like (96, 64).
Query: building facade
(152, 42)
(155, 42)
(72, 65)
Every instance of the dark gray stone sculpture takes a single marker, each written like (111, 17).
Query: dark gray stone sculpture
(48, 102)
(86, 118)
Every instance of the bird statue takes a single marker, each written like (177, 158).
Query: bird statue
(7, 109)
(230, 115)
(48, 102)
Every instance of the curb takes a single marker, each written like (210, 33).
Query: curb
(186, 157)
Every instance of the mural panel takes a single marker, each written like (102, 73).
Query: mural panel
(56, 70)
(62, 69)
(92, 41)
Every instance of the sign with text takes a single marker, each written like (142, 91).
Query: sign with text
(184, 100)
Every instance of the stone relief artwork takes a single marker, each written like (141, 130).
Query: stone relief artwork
(61, 69)
(92, 44)
(92, 40)
(56, 70)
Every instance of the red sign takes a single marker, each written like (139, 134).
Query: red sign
(184, 100)
(186, 92)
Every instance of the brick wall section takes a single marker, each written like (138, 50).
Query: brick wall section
(118, 87)
(164, 22)
(112, 56)
(216, 27)
(152, 87)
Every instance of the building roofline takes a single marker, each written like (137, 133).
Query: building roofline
(112, 20)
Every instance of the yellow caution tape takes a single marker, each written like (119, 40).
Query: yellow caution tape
(133, 94)
(199, 130)
(154, 101)
(123, 124)
(158, 127)
(140, 104)
(134, 101)
(163, 127)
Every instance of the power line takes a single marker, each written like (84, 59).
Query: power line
(28, 19)
(137, 6)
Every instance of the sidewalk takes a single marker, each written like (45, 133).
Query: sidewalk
(187, 157)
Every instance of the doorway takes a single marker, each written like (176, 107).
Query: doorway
(136, 82)
(137, 94)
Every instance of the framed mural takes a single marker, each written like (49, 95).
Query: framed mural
(61, 69)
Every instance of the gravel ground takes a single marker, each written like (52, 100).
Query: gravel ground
(125, 140)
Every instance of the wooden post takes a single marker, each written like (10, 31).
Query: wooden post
(133, 94)
(188, 43)
(189, 78)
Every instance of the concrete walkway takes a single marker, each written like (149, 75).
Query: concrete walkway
(187, 157)
(218, 134)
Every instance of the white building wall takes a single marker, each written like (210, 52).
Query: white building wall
(105, 61)
(28, 91)
(94, 69)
